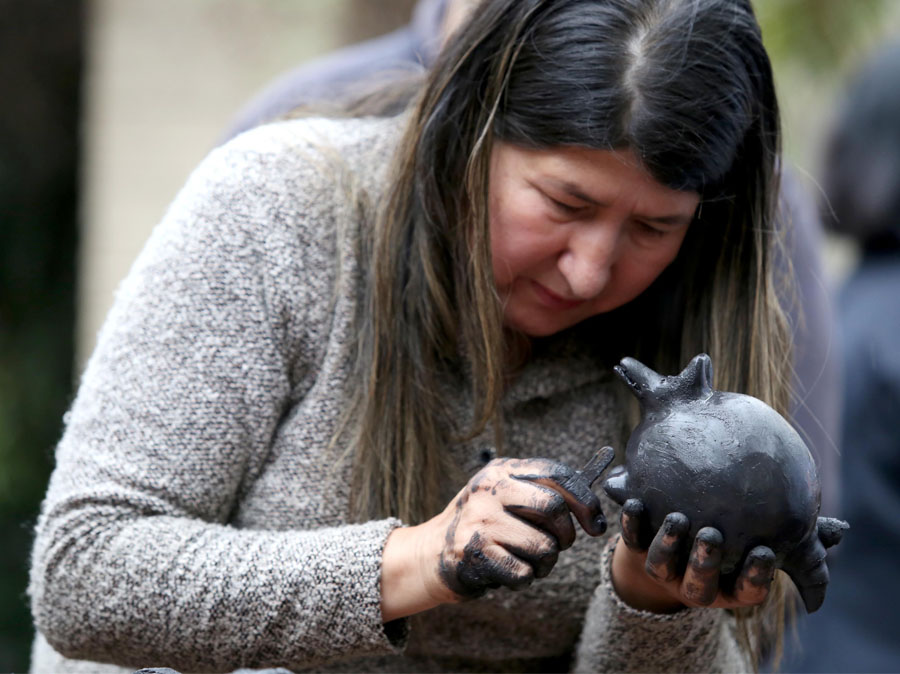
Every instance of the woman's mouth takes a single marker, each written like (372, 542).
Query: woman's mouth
(552, 300)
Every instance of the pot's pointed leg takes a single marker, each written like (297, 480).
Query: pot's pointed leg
(807, 568)
(806, 565)
(831, 530)
(616, 485)
(811, 585)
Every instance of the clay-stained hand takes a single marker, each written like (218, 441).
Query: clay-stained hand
(651, 574)
(507, 526)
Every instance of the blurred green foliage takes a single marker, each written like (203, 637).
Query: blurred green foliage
(814, 45)
(820, 35)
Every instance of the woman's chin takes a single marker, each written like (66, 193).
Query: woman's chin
(537, 326)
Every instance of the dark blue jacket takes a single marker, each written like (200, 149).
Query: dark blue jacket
(857, 629)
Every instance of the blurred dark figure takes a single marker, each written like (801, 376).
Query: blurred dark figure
(357, 68)
(856, 630)
(41, 45)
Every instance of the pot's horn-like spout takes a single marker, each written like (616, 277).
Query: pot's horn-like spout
(697, 377)
(655, 391)
(643, 382)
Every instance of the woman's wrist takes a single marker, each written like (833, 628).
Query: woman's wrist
(409, 584)
(634, 585)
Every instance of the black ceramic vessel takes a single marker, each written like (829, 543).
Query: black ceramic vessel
(728, 461)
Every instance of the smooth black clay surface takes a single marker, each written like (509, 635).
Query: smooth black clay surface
(728, 461)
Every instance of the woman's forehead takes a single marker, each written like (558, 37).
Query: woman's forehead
(595, 177)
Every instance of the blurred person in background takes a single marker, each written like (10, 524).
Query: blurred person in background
(857, 630)
(282, 449)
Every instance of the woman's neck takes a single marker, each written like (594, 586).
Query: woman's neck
(518, 351)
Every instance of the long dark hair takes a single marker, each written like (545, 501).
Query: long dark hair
(687, 86)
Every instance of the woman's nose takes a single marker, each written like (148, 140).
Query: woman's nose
(588, 259)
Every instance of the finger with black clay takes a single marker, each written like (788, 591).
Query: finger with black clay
(634, 524)
(488, 565)
(552, 516)
(753, 583)
(541, 559)
(574, 486)
(663, 555)
(701, 577)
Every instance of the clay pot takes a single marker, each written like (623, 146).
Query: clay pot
(728, 461)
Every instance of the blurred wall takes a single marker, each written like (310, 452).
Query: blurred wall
(164, 78)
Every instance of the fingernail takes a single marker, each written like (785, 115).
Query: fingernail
(633, 507)
(710, 537)
(762, 567)
(675, 524)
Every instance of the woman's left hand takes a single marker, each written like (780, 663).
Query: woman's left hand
(649, 578)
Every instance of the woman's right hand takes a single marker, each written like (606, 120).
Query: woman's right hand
(505, 528)
(654, 577)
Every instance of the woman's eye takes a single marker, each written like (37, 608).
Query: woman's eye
(649, 230)
(562, 206)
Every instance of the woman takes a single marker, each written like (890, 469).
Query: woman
(340, 322)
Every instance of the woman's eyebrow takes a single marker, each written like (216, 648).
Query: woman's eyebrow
(676, 219)
(575, 191)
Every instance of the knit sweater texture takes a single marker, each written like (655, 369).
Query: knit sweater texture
(197, 517)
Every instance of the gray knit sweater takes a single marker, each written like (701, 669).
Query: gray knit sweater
(196, 518)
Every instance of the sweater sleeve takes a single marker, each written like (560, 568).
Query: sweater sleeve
(134, 561)
(618, 638)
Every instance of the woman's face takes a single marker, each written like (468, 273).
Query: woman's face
(577, 232)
